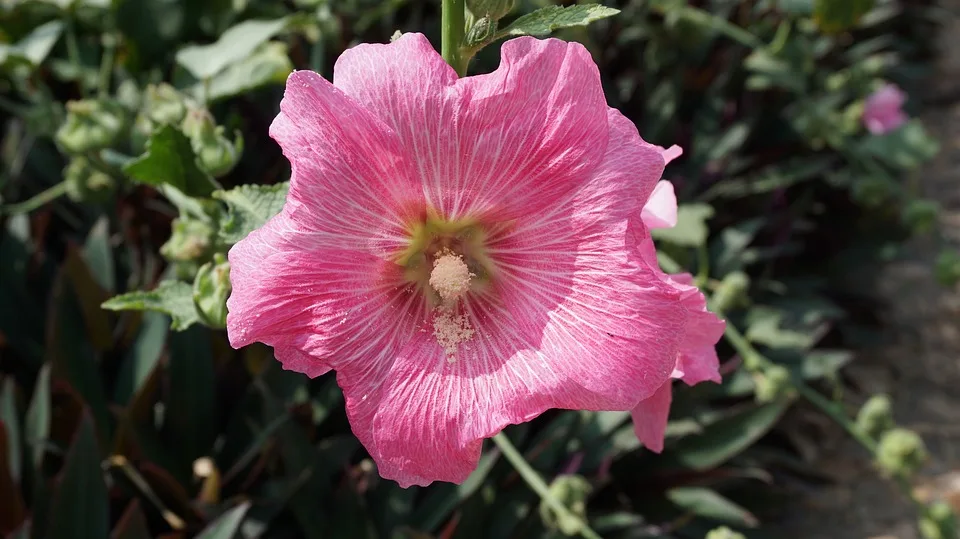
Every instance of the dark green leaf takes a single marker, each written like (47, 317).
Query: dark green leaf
(191, 406)
(37, 422)
(99, 256)
(227, 524)
(838, 15)
(906, 148)
(249, 207)
(143, 356)
(11, 421)
(12, 511)
(174, 298)
(726, 438)
(80, 504)
(545, 20)
(235, 45)
(706, 503)
(169, 159)
(691, 229)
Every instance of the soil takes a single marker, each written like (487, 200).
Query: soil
(920, 370)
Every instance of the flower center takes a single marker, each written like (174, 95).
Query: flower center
(450, 276)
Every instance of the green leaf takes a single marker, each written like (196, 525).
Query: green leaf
(726, 438)
(706, 503)
(12, 511)
(169, 159)
(191, 405)
(838, 15)
(249, 207)
(35, 47)
(142, 357)
(173, 298)
(99, 255)
(906, 148)
(37, 421)
(226, 525)
(236, 44)
(545, 20)
(691, 229)
(81, 505)
(11, 421)
(270, 64)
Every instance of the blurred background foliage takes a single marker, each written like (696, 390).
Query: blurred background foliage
(128, 125)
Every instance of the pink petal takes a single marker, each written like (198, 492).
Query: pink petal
(672, 153)
(883, 110)
(513, 141)
(650, 418)
(661, 210)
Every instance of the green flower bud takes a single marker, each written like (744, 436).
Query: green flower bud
(211, 289)
(731, 292)
(190, 241)
(724, 532)
(164, 104)
(920, 216)
(774, 383)
(938, 522)
(900, 453)
(92, 124)
(876, 416)
(215, 154)
(873, 192)
(481, 32)
(84, 183)
(572, 492)
(947, 268)
(491, 9)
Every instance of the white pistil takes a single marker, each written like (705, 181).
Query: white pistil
(450, 278)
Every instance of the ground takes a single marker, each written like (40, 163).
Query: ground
(921, 369)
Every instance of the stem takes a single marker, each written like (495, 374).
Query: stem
(73, 53)
(106, 66)
(44, 197)
(452, 27)
(534, 481)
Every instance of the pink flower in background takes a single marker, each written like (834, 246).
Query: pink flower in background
(465, 253)
(697, 359)
(883, 110)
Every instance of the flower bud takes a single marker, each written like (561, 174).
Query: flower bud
(163, 104)
(572, 492)
(900, 452)
(215, 154)
(773, 383)
(91, 124)
(731, 292)
(491, 9)
(876, 416)
(481, 32)
(190, 241)
(84, 183)
(211, 289)
(724, 532)
(938, 522)
(920, 216)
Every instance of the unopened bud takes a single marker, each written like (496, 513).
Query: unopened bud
(773, 383)
(876, 416)
(491, 9)
(211, 289)
(91, 124)
(163, 104)
(215, 154)
(724, 532)
(938, 522)
(190, 241)
(84, 183)
(481, 32)
(571, 491)
(900, 453)
(731, 292)
(920, 216)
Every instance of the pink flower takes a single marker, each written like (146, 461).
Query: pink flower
(462, 252)
(697, 359)
(883, 110)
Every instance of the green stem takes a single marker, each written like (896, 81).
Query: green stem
(44, 197)
(534, 481)
(106, 66)
(452, 28)
(706, 19)
(73, 52)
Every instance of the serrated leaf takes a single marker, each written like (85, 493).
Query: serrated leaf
(35, 47)
(249, 207)
(270, 64)
(169, 159)
(691, 229)
(227, 524)
(235, 45)
(545, 20)
(81, 505)
(173, 298)
(706, 503)
(838, 15)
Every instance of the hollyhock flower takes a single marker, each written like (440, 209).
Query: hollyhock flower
(883, 110)
(697, 359)
(464, 253)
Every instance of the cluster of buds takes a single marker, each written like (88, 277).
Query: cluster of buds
(216, 154)
(91, 124)
(571, 491)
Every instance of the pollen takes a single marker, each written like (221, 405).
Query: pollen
(450, 277)
(451, 330)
